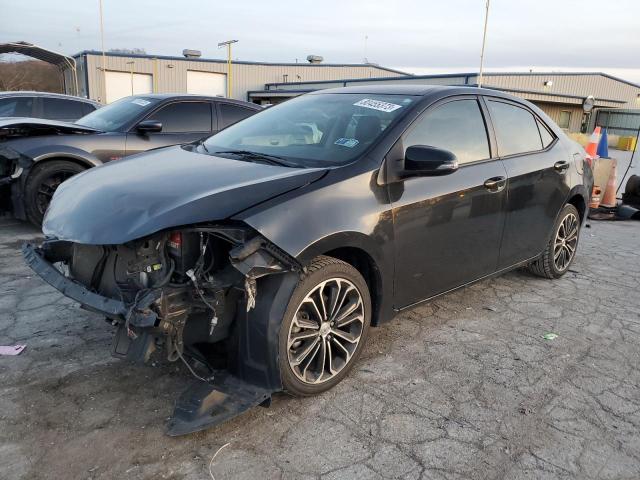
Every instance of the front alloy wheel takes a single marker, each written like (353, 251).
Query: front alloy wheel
(325, 331)
(325, 327)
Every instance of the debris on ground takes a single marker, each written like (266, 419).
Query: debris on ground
(11, 349)
(550, 336)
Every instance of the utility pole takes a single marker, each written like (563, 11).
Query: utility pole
(228, 44)
(131, 72)
(484, 40)
(104, 58)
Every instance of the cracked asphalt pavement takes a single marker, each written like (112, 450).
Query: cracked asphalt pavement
(462, 387)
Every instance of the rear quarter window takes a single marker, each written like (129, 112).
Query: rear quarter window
(230, 114)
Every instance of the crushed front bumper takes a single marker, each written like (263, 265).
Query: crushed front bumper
(255, 376)
(92, 301)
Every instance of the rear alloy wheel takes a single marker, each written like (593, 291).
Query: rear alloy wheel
(325, 327)
(561, 250)
(42, 183)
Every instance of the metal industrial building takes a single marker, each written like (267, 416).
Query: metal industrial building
(566, 97)
(128, 74)
(561, 95)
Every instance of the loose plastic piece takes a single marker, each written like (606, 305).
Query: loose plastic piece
(12, 349)
(550, 336)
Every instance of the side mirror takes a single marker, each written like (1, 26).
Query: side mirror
(424, 160)
(149, 126)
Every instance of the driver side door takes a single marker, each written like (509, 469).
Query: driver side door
(448, 229)
(182, 122)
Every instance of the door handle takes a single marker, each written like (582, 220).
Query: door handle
(561, 166)
(495, 184)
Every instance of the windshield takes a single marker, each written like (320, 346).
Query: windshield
(314, 130)
(117, 114)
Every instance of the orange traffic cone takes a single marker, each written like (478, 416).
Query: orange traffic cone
(609, 197)
(592, 147)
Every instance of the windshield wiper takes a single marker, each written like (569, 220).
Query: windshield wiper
(273, 159)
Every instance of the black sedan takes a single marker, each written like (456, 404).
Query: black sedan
(274, 245)
(37, 155)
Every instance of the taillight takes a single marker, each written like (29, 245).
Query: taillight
(175, 241)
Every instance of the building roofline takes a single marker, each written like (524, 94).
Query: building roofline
(406, 77)
(240, 62)
(548, 94)
(467, 75)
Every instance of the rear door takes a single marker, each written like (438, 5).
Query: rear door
(537, 188)
(448, 228)
(182, 122)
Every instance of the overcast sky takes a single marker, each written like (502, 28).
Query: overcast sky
(419, 36)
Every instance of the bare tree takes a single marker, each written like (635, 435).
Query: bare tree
(30, 75)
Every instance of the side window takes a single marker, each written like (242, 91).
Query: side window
(183, 117)
(516, 129)
(231, 114)
(456, 126)
(16, 107)
(545, 135)
(60, 109)
(87, 108)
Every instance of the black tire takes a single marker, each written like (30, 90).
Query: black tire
(321, 269)
(43, 178)
(545, 266)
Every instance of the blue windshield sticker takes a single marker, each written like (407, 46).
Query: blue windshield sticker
(346, 142)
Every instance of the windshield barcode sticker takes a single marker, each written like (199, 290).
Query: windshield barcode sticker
(141, 101)
(377, 105)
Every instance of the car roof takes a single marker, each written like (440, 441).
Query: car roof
(28, 93)
(419, 90)
(194, 96)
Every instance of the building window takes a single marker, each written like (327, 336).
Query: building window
(565, 119)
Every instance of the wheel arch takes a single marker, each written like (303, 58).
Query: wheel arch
(362, 253)
(577, 200)
(82, 160)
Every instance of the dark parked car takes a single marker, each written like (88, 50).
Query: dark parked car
(52, 106)
(37, 155)
(276, 243)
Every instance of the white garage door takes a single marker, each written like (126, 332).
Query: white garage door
(123, 84)
(206, 83)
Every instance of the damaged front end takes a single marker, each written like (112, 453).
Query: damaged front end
(190, 294)
(12, 166)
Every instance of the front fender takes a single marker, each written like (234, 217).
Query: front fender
(330, 214)
(44, 152)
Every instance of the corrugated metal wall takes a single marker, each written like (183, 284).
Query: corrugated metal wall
(619, 122)
(554, 111)
(601, 87)
(171, 75)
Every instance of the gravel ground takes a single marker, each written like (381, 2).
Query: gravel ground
(462, 387)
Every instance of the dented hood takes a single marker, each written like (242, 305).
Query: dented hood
(169, 187)
(13, 127)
